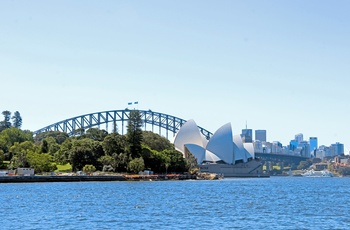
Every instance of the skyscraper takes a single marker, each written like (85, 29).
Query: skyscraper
(337, 149)
(313, 143)
(299, 137)
(260, 135)
(247, 135)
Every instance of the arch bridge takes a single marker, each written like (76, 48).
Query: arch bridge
(154, 119)
(292, 160)
(96, 120)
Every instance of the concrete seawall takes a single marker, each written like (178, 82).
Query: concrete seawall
(28, 179)
(31, 179)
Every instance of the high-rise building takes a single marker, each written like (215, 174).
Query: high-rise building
(247, 135)
(337, 149)
(305, 148)
(293, 144)
(313, 145)
(299, 137)
(260, 135)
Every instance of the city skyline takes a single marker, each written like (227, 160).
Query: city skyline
(279, 66)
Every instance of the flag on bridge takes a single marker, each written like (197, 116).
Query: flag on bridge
(129, 103)
(136, 103)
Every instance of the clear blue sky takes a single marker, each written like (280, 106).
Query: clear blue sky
(282, 66)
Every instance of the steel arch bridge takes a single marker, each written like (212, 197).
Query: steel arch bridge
(93, 120)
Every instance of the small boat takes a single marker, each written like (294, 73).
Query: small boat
(313, 173)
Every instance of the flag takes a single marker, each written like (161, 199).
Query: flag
(136, 103)
(129, 103)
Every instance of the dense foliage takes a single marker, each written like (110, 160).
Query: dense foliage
(6, 123)
(88, 150)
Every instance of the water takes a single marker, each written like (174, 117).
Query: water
(270, 203)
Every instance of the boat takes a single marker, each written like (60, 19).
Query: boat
(252, 168)
(313, 173)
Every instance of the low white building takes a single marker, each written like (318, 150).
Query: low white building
(25, 172)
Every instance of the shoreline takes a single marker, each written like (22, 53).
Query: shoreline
(33, 179)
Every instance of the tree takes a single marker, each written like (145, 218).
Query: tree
(44, 146)
(19, 152)
(134, 134)
(60, 137)
(121, 161)
(114, 143)
(83, 152)
(95, 134)
(107, 161)
(41, 162)
(177, 162)
(2, 159)
(304, 164)
(9, 136)
(49, 145)
(62, 155)
(79, 132)
(5, 124)
(136, 165)
(17, 120)
(89, 169)
(155, 141)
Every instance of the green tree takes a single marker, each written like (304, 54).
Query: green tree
(304, 164)
(155, 141)
(60, 137)
(41, 162)
(114, 143)
(79, 132)
(154, 160)
(134, 134)
(2, 156)
(17, 120)
(49, 145)
(121, 161)
(95, 134)
(11, 135)
(83, 152)
(136, 165)
(107, 161)
(89, 169)
(177, 162)
(44, 146)
(19, 152)
(5, 124)
(62, 155)
(344, 171)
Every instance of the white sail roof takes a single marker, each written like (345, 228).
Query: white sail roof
(188, 134)
(221, 146)
(239, 148)
(197, 151)
(209, 156)
(221, 143)
(249, 147)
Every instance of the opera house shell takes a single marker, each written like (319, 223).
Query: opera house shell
(224, 153)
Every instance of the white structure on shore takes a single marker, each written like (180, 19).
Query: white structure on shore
(223, 147)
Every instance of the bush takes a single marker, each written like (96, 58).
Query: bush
(89, 169)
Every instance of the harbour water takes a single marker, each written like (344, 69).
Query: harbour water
(255, 203)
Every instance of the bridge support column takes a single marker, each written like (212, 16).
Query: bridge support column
(268, 166)
(282, 166)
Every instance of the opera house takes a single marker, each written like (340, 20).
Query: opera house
(224, 153)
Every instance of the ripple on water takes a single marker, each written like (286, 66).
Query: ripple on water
(275, 203)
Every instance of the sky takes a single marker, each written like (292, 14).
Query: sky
(282, 66)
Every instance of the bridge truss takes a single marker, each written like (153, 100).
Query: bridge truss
(286, 158)
(95, 120)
